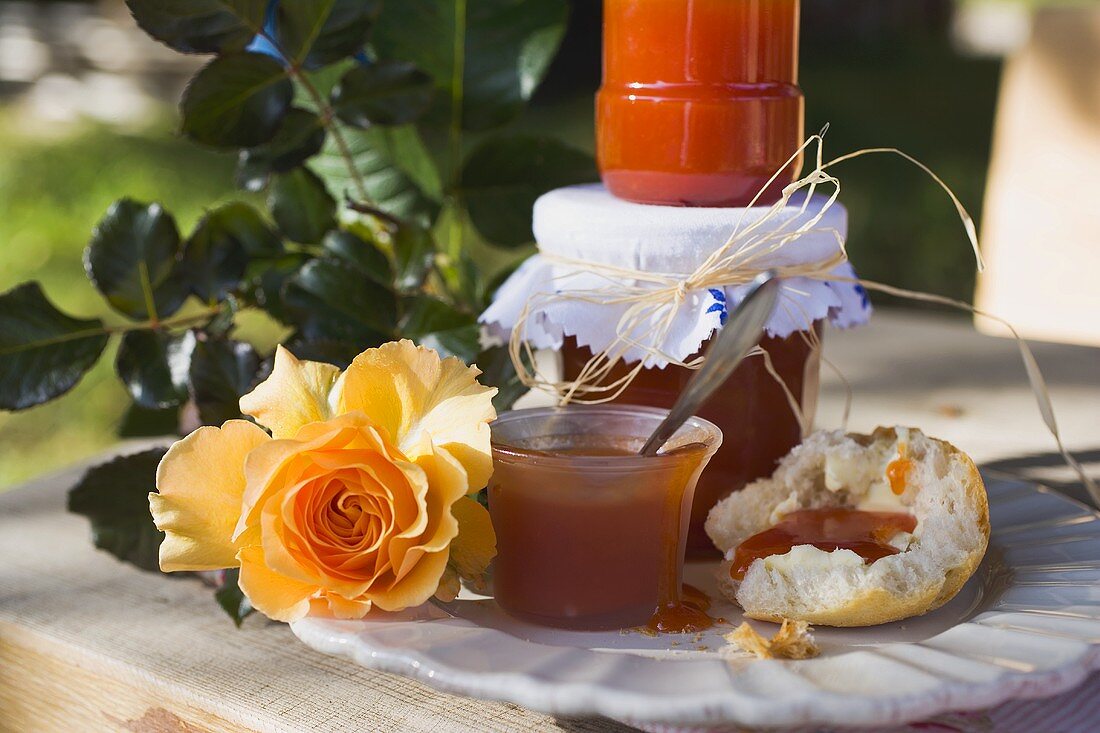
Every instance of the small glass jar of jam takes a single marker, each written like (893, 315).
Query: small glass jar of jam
(591, 535)
(700, 104)
(752, 410)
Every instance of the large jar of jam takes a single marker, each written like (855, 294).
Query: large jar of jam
(573, 296)
(752, 411)
(570, 298)
(700, 104)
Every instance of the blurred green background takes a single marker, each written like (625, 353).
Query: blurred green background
(880, 72)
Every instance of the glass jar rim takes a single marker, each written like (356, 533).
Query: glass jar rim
(502, 449)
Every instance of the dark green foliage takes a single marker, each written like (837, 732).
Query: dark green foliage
(132, 260)
(231, 599)
(335, 300)
(497, 370)
(393, 165)
(155, 367)
(222, 371)
(300, 137)
(43, 352)
(414, 250)
(236, 101)
(504, 176)
(214, 258)
(440, 326)
(360, 127)
(364, 256)
(302, 206)
(200, 26)
(324, 31)
(243, 224)
(115, 498)
(385, 93)
(329, 351)
(508, 46)
(141, 422)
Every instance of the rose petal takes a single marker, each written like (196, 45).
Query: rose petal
(200, 482)
(409, 392)
(273, 595)
(415, 588)
(476, 543)
(296, 394)
(347, 609)
(291, 457)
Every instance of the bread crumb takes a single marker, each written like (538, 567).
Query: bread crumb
(793, 641)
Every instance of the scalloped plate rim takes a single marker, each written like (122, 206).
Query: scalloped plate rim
(811, 707)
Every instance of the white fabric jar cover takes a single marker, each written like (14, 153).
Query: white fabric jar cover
(588, 223)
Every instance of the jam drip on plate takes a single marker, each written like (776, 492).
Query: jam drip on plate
(685, 615)
(867, 534)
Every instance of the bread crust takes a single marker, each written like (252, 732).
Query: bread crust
(866, 606)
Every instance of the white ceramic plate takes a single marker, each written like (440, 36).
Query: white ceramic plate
(1026, 625)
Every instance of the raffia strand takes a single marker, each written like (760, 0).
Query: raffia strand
(652, 299)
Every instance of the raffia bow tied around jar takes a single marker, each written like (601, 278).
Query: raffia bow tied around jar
(628, 282)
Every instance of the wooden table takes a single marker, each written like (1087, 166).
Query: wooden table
(87, 643)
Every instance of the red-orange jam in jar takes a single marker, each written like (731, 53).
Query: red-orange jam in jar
(758, 423)
(590, 535)
(865, 533)
(700, 104)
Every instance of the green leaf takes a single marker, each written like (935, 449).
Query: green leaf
(462, 280)
(365, 256)
(336, 302)
(224, 320)
(266, 288)
(140, 422)
(506, 49)
(405, 148)
(43, 352)
(497, 370)
(329, 351)
(322, 80)
(155, 366)
(244, 224)
(218, 253)
(394, 165)
(414, 251)
(300, 137)
(504, 176)
(131, 260)
(385, 93)
(200, 26)
(323, 31)
(426, 314)
(115, 497)
(438, 325)
(302, 206)
(222, 371)
(236, 101)
(232, 599)
(214, 261)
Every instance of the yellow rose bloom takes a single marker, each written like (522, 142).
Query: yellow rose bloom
(361, 495)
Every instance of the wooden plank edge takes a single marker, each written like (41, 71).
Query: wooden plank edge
(47, 685)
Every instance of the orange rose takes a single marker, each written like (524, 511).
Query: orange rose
(361, 497)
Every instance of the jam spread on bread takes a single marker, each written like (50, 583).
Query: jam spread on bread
(867, 534)
(897, 473)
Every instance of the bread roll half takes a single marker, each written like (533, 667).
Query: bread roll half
(942, 489)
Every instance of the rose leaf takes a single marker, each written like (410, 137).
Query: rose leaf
(115, 498)
(236, 101)
(43, 352)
